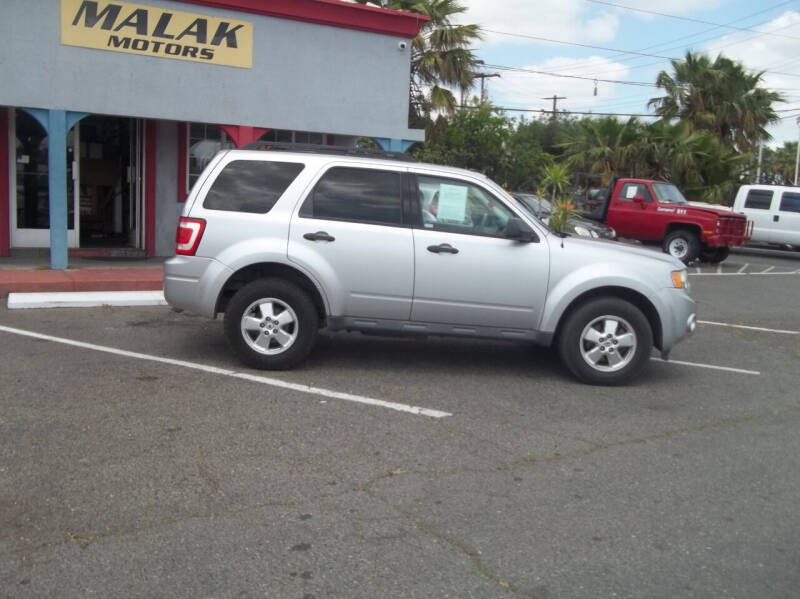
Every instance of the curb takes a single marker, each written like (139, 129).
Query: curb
(85, 299)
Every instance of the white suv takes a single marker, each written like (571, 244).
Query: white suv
(287, 242)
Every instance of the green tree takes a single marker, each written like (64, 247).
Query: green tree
(779, 164)
(441, 57)
(556, 180)
(602, 145)
(475, 139)
(719, 97)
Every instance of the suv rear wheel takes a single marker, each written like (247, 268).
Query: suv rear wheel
(606, 341)
(271, 324)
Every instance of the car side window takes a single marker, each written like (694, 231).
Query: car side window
(790, 202)
(251, 185)
(356, 195)
(631, 190)
(455, 206)
(758, 199)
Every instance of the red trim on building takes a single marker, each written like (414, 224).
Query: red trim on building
(334, 13)
(150, 187)
(183, 159)
(5, 221)
(241, 135)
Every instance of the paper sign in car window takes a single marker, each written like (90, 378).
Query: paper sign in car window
(452, 203)
(631, 191)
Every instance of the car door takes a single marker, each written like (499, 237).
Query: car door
(630, 218)
(786, 220)
(351, 234)
(466, 271)
(757, 207)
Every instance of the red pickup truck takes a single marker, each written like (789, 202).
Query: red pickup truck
(657, 212)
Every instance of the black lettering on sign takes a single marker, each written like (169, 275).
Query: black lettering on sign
(206, 54)
(90, 16)
(119, 42)
(140, 45)
(137, 19)
(198, 29)
(190, 51)
(225, 33)
(173, 49)
(161, 26)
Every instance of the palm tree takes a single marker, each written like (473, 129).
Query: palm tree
(556, 179)
(719, 97)
(441, 58)
(603, 145)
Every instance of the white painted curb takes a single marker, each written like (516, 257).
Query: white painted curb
(85, 299)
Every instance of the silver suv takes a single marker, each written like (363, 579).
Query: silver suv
(285, 243)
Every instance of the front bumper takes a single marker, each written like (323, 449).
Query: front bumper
(680, 319)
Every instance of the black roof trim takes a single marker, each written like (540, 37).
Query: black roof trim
(334, 150)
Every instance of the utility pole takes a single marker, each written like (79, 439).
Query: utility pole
(797, 160)
(760, 154)
(483, 77)
(555, 100)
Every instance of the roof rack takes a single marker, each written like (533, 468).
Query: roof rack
(321, 149)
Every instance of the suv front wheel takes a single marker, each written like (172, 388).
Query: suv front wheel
(606, 341)
(271, 324)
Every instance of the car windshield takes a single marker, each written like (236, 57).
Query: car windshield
(668, 194)
(540, 207)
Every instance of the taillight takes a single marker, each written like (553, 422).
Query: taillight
(188, 235)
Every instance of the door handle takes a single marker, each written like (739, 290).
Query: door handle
(442, 248)
(776, 218)
(319, 236)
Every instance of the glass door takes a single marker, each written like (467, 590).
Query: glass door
(30, 205)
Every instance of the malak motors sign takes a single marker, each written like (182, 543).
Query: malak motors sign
(149, 31)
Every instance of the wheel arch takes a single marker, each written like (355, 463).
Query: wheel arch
(676, 226)
(634, 297)
(263, 270)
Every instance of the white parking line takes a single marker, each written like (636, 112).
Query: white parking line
(748, 327)
(743, 268)
(400, 407)
(711, 366)
(766, 270)
(741, 274)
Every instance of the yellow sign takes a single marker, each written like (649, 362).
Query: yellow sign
(150, 31)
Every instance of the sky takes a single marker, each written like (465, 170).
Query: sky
(763, 34)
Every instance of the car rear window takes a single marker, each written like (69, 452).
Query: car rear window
(790, 202)
(251, 185)
(759, 199)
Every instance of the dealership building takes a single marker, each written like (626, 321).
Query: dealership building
(110, 110)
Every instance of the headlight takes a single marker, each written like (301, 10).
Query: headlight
(582, 231)
(680, 279)
(594, 234)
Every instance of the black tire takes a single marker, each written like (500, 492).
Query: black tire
(573, 343)
(715, 255)
(682, 244)
(285, 337)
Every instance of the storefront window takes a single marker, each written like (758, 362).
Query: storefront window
(33, 200)
(298, 137)
(204, 143)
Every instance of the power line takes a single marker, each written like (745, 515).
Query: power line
(663, 14)
(551, 74)
(554, 41)
(545, 111)
(666, 43)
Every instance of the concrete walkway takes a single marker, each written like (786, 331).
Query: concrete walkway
(33, 275)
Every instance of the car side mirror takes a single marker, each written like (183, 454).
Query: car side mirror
(519, 230)
(639, 199)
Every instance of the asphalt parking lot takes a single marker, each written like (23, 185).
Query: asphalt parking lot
(401, 467)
